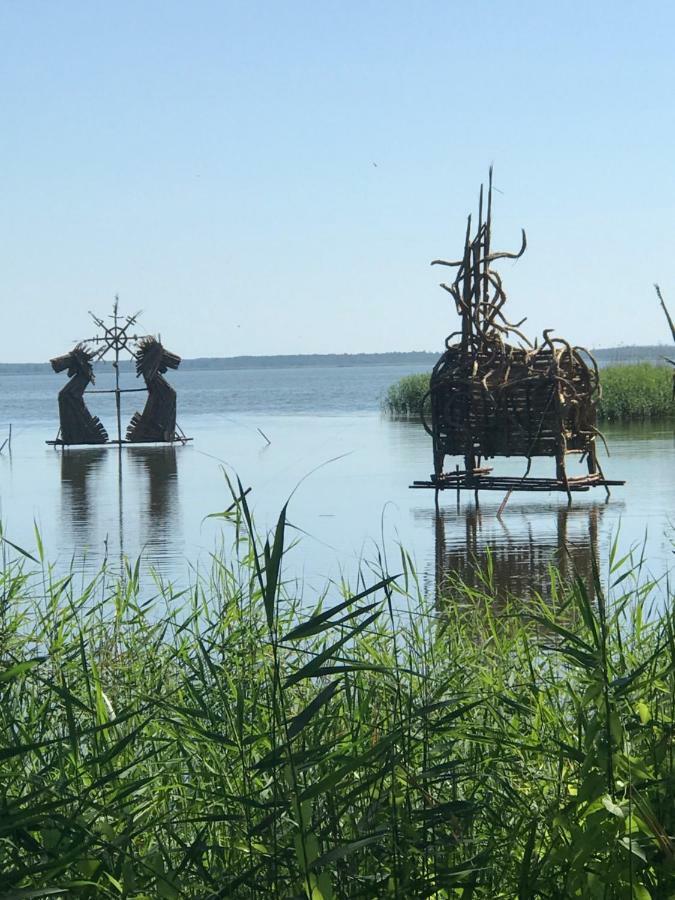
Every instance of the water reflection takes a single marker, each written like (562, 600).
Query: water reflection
(518, 551)
(81, 489)
(74, 494)
(160, 533)
(121, 504)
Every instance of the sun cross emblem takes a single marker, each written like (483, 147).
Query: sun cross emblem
(116, 336)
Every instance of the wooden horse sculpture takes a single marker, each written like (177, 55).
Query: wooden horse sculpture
(78, 426)
(157, 422)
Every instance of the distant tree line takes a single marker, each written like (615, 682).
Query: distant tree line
(605, 356)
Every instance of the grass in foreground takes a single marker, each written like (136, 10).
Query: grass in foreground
(629, 393)
(227, 743)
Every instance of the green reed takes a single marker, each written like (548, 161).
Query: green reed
(406, 396)
(636, 392)
(242, 739)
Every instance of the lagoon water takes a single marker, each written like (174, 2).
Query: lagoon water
(347, 467)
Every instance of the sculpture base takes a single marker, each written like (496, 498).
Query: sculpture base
(178, 440)
(477, 481)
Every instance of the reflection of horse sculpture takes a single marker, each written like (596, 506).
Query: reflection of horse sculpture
(78, 426)
(159, 466)
(157, 422)
(80, 488)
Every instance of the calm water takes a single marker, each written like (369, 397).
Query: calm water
(353, 468)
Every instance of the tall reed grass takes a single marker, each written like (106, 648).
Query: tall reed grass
(406, 396)
(641, 392)
(629, 393)
(240, 740)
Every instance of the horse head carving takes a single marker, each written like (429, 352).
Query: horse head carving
(77, 362)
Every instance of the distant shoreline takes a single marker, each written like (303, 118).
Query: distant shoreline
(604, 356)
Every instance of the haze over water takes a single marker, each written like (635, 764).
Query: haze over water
(323, 426)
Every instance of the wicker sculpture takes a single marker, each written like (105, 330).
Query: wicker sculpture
(489, 397)
(78, 425)
(157, 422)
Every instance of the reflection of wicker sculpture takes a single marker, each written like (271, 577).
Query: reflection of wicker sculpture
(490, 398)
(157, 422)
(519, 563)
(78, 426)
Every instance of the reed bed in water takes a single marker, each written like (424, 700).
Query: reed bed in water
(638, 392)
(241, 740)
(629, 393)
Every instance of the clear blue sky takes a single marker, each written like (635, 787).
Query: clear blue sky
(212, 162)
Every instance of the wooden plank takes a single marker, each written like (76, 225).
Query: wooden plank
(115, 443)
(508, 483)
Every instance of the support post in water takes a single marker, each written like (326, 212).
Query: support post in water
(116, 364)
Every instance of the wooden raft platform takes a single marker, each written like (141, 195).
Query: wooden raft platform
(482, 481)
(178, 440)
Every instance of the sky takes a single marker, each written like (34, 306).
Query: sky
(270, 178)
